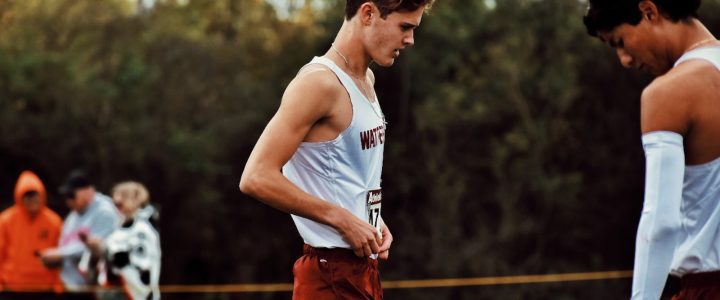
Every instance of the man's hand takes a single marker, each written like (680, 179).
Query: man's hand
(94, 244)
(387, 240)
(51, 259)
(362, 237)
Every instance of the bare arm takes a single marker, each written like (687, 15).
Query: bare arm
(664, 121)
(309, 99)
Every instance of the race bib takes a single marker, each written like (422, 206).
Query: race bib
(373, 204)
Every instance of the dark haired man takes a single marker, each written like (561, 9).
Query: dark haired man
(679, 231)
(328, 138)
(93, 214)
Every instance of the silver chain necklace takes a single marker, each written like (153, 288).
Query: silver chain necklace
(347, 64)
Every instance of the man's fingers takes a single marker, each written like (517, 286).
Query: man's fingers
(385, 245)
(384, 255)
(368, 250)
(374, 246)
(386, 241)
(365, 239)
(359, 252)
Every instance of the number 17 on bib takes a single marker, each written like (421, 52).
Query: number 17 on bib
(373, 204)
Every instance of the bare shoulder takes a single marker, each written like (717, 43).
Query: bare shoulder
(689, 79)
(312, 94)
(667, 103)
(314, 83)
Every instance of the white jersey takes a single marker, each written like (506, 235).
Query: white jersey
(344, 171)
(698, 249)
(132, 253)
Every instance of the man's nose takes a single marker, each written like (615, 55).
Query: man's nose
(625, 59)
(409, 39)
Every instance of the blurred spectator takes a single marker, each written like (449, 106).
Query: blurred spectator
(148, 212)
(27, 228)
(92, 214)
(130, 256)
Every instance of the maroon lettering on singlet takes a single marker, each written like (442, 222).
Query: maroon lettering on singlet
(373, 137)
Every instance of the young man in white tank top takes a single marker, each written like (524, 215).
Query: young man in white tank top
(328, 138)
(679, 230)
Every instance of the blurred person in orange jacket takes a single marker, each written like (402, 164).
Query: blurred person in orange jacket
(26, 229)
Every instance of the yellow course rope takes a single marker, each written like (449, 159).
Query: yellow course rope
(407, 284)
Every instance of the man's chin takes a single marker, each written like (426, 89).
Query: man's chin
(387, 63)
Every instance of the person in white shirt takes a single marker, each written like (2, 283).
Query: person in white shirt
(328, 138)
(679, 230)
(92, 213)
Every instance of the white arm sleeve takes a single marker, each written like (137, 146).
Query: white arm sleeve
(660, 220)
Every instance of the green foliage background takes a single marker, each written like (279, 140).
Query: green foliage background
(513, 138)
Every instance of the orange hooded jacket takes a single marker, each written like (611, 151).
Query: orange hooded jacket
(23, 237)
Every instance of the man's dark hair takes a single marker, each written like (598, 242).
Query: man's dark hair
(386, 7)
(77, 179)
(605, 15)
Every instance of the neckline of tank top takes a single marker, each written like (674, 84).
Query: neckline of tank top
(372, 103)
(684, 57)
(710, 47)
(348, 75)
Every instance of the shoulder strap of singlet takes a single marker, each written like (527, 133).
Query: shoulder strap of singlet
(710, 54)
(344, 78)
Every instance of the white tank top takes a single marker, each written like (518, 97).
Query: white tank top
(344, 171)
(699, 247)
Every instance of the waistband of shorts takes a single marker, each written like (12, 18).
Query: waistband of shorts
(334, 253)
(703, 279)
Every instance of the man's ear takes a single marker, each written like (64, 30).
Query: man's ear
(649, 10)
(367, 12)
